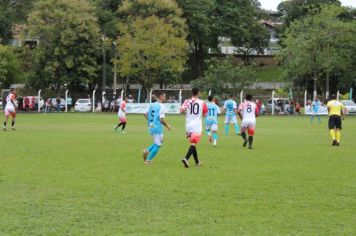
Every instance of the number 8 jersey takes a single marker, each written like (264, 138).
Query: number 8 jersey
(249, 110)
(195, 109)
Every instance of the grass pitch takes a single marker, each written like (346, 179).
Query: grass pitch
(73, 175)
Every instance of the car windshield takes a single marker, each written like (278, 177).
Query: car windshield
(83, 101)
(349, 103)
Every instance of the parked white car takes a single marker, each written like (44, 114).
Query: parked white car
(83, 105)
(350, 105)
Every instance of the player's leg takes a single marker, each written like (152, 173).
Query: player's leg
(227, 125)
(194, 139)
(209, 132)
(338, 130)
(244, 129)
(251, 133)
(7, 114)
(236, 125)
(123, 124)
(147, 151)
(214, 129)
(13, 115)
(319, 118)
(311, 118)
(158, 139)
(332, 129)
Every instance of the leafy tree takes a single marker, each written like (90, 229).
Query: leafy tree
(200, 15)
(319, 46)
(107, 13)
(9, 66)
(222, 75)
(152, 42)
(69, 39)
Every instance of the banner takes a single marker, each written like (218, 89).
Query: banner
(141, 108)
(323, 110)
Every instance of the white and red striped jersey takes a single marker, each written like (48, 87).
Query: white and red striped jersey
(195, 109)
(121, 113)
(10, 99)
(249, 110)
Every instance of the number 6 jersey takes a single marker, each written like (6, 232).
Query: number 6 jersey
(195, 109)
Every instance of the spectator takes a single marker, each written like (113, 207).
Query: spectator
(58, 104)
(131, 99)
(297, 108)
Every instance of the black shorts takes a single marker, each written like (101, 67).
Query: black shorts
(335, 122)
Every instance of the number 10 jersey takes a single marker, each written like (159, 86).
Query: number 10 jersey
(195, 109)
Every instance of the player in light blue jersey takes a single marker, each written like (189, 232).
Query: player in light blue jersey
(156, 120)
(315, 109)
(230, 108)
(211, 120)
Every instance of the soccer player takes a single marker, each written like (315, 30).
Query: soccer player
(211, 120)
(248, 111)
(336, 110)
(122, 116)
(315, 109)
(156, 118)
(10, 109)
(230, 108)
(195, 109)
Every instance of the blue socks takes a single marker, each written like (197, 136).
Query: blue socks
(227, 129)
(150, 148)
(237, 129)
(153, 151)
(215, 136)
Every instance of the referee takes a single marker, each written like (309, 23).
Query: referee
(336, 112)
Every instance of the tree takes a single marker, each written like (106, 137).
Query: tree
(152, 42)
(222, 75)
(236, 20)
(319, 46)
(200, 15)
(69, 42)
(9, 66)
(107, 13)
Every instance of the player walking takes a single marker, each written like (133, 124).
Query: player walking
(10, 109)
(211, 120)
(156, 118)
(230, 108)
(195, 109)
(122, 116)
(248, 111)
(336, 110)
(315, 109)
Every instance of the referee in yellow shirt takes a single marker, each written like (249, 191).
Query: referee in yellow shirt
(336, 111)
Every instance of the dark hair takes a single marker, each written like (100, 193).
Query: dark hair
(333, 96)
(231, 96)
(158, 94)
(210, 98)
(11, 90)
(195, 91)
(248, 97)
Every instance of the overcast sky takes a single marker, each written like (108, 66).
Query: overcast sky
(272, 4)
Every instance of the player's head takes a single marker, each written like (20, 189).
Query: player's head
(210, 98)
(161, 96)
(13, 91)
(333, 96)
(316, 98)
(249, 97)
(196, 91)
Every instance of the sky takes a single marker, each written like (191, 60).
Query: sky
(272, 4)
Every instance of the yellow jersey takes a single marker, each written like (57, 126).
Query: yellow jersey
(335, 108)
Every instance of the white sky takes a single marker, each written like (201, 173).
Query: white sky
(272, 4)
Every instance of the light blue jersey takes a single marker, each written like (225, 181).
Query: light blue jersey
(230, 107)
(213, 112)
(155, 113)
(316, 106)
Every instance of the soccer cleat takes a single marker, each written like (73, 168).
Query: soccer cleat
(337, 144)
(13, 128)
(145, 154)
(147, 163)
(334, 142)
(245, 143)
(123, 132)
(4, 129)
(199, 164)
(250, 147)
(185, 163)
(210, 139)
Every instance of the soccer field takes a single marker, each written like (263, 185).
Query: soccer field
(71, 174)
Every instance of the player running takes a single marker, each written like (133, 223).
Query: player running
(156, 118)
(211, 120)
(230, 108)
(122, 116)
(195, 109)
(10, 109)
(336, 110)
(315, 109)
(248, 111)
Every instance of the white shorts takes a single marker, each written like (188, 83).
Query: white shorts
(10, 111)
(157, 139)
(212, 127)
(230, 120)
(315, 113)
(248, 124)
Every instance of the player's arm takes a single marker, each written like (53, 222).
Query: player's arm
(164, 122)
(257, 111)
(146, 115)
(205, 109)
(239, 111)
(184, 106)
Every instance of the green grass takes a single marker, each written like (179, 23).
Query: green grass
(270, 74)
(73, 175)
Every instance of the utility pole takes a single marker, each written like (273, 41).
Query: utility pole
(103, 37)
(115, 67)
